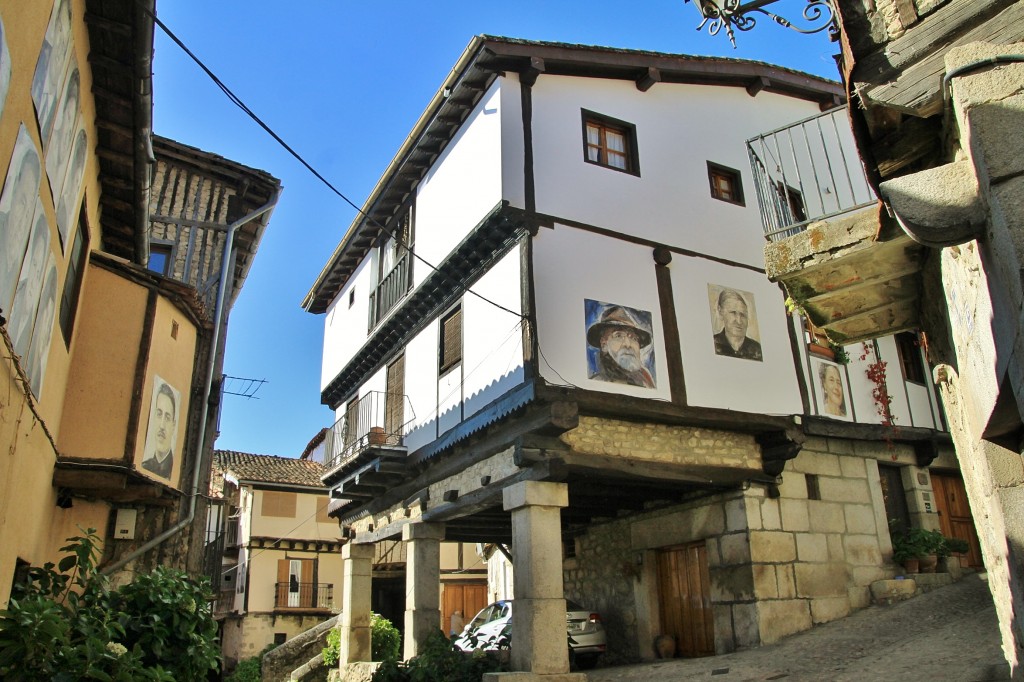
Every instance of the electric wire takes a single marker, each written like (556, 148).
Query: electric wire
(237, 101)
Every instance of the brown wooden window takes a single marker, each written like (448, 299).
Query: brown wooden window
(160, 258)
(73, 282)
(451, 340)
(394, 400)
(910, 357)
(610, 143)
(726, 183)
(279, 504)
(322, 505)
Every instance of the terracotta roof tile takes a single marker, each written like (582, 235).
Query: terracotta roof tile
(267, 468)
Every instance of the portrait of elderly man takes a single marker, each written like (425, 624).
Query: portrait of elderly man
(621, 346)
(163, 427)
(17, 208)
(734, 315)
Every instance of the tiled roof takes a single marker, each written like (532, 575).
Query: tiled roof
(267, 468)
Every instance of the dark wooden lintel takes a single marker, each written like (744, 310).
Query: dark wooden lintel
(757, 85)
(646, 80)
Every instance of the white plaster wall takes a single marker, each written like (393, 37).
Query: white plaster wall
(571, 265)
(493, 338)
(449, 395)
(462, 186)
(421, 386)
(767, 387)
(679, 128)
(345, 326)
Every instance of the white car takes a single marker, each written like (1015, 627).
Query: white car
(491, 629)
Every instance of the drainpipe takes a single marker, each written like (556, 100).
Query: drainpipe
(218, 324)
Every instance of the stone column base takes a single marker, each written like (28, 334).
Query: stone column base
(534, 677)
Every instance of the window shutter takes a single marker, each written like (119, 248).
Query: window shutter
(451, 340)
(279, 504)
(394, 404)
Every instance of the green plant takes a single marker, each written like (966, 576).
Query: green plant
(953, 546)
(439, 662)
(385, 639)
(916, 543)
(248, 670)
(64, 623)
(332, 652)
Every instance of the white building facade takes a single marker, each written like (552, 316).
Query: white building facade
(551, 330)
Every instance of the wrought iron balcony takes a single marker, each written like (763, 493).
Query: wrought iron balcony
(807, 171)
(296, 595)
(376, 419)
(392, 288)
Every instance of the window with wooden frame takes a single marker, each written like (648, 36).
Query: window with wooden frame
(278, 504)
(726, 183)
(450, 346)
(322, 507)
(160, 257)
(610, 143)
(909, 350)
(73, 281)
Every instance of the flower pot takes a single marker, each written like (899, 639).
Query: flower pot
(929, 563)
(911, 566)
(377, 436)
(665, 646)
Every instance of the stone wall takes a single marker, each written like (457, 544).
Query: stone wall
(776, 566)
(246, 636)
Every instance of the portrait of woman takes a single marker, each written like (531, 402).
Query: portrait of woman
(17, 207)
(833, 396)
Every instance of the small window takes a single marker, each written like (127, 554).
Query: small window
(160, 258)
(351, 297)
(73, 282)
(279, 504)
(813, 487)
(726, 183)
(280, 638)
(910, 357)
(610, 143)
(451, 340)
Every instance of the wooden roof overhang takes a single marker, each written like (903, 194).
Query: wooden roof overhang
(865, 280)
(530, 418)
(484, 59)
(255, 188)
(495, 236)
(121, 59)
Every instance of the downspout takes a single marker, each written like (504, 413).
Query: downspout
(143, 121)
(218, 324)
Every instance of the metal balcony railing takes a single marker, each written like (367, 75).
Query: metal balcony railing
(378, 418)
(232, 532)
(225, 601)
(296, 595)
(807, 171)
(392, 288)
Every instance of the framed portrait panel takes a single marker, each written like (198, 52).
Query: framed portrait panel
(160, 453)
(619, 348)
(735, 332)
(831, 389)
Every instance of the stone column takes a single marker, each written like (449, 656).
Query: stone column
(539, 638)
(422, 584)
(355, 603)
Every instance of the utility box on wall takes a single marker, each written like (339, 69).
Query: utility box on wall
(124, 524)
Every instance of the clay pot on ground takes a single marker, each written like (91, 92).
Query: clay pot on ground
(929, 563)
(911, 566)
(665, 646)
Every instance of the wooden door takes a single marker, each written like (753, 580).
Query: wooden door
(955, 518)
(467, 598)
(896, 510)
(684, 595)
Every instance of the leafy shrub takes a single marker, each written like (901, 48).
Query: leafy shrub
(385, 641)
(248, 670)
(65, 624)
(439, 662)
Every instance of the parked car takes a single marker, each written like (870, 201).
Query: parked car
(491, 629)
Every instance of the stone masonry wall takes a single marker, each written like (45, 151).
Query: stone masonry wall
(245, 637)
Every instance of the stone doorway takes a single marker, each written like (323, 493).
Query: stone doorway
(684, 597)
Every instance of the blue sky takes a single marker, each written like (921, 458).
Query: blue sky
(343, 83)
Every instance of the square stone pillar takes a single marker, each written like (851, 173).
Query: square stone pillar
(540, 642)
(355, 603)
(422, 584)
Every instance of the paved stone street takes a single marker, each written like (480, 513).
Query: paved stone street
(947, 634)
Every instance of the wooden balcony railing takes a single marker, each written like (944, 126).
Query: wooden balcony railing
(392, 288)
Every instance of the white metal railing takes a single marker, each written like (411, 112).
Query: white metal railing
(806, 171)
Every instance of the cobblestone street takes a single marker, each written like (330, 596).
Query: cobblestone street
(948, 634)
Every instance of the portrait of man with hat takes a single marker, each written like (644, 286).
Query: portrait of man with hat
(620, 344)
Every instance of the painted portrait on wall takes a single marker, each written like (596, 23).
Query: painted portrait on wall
(830, 389)
(38, 261)
(162, 434)
(39, 349)
(5, 67)
(734, 323)
(67, 207)
(65, 125)
(619, 346)
(19, 203)
(51, 67)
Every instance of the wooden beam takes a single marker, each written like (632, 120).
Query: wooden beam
(757, 85)
(646, 80)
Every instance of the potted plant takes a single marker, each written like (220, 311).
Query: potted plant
(917, 549)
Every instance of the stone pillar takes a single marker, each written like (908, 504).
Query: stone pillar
(539, 639)
(355, 603)
(422, 584)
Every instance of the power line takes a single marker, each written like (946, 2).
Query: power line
(237, 101)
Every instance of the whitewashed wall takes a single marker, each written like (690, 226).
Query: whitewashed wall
(768, 386)
(463, 185)
(572, 265)
(345, 327)
(679, 129)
